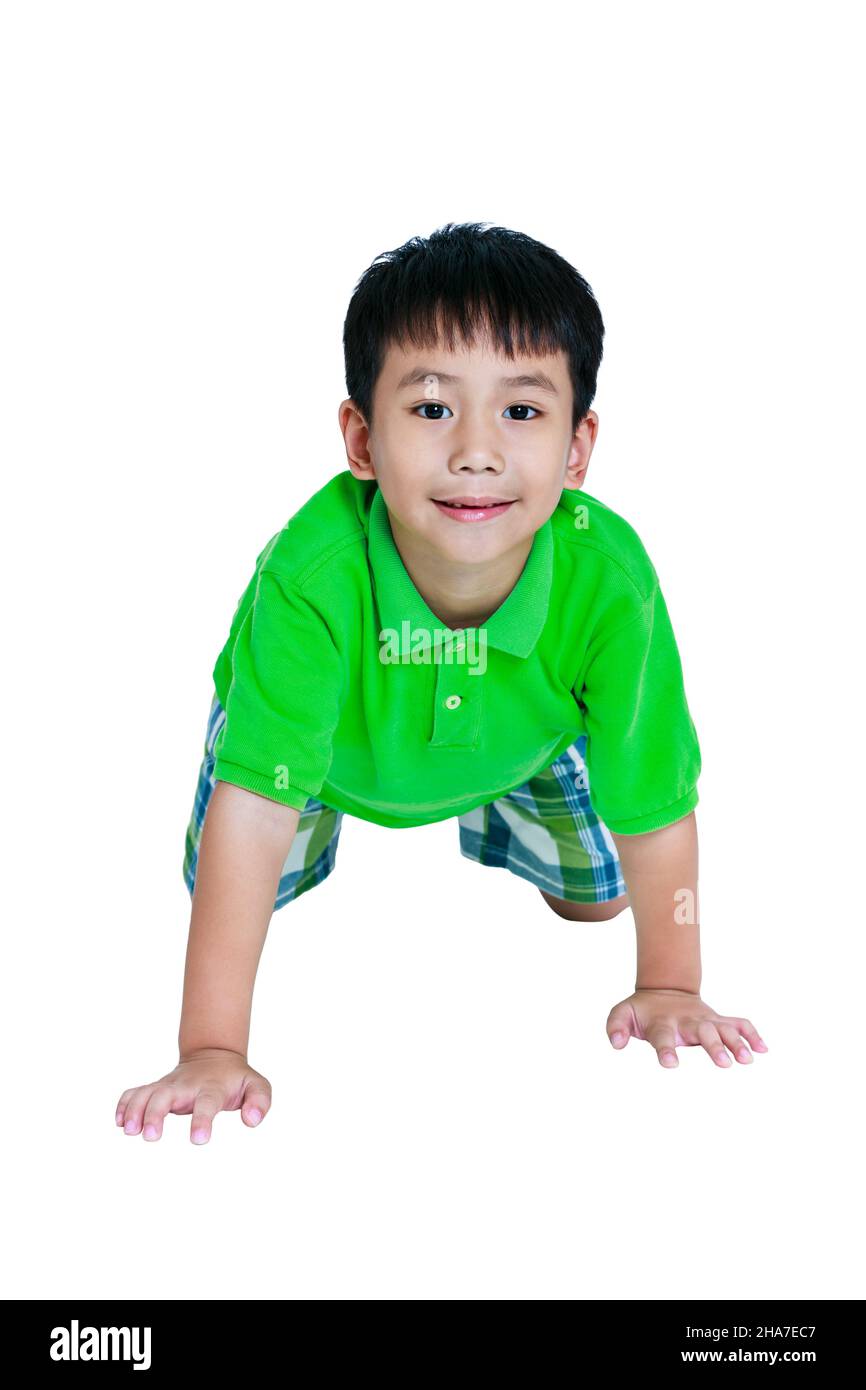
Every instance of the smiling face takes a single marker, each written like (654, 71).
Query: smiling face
(469, 423)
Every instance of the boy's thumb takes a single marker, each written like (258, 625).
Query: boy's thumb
(619, 1028)
(256, 1104)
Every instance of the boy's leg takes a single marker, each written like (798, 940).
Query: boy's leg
(547, 832)
(586, 912)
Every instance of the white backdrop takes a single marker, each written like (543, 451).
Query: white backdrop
(191, 192)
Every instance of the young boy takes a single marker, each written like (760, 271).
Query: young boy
(450, 628)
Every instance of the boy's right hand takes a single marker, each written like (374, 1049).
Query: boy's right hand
(203, 1083)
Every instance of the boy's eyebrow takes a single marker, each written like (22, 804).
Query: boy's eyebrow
(536, 379)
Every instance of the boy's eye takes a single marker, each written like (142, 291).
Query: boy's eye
(437, 405)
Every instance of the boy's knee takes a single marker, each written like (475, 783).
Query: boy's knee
(586, 912)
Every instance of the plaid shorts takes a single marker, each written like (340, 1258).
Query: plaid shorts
(545, 831)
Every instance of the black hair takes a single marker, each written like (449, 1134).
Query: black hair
(472, 278)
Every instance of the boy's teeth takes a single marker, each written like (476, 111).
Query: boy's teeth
(472, 506)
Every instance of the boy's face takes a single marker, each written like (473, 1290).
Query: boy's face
(450, 425)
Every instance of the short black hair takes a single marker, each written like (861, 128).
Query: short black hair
(472, 277)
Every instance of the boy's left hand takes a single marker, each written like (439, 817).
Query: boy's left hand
(672, 1018)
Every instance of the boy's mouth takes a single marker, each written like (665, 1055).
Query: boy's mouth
(473, 508)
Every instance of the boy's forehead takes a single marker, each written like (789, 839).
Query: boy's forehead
(407, 365)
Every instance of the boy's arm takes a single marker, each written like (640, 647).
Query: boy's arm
(660, 869)
(243, 847)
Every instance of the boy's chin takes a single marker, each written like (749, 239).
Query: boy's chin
(476, 543)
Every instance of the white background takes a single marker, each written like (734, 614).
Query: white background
(190, 193)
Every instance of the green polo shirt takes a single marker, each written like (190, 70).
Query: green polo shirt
(340, 683)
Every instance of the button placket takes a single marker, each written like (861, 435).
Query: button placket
(457, 710)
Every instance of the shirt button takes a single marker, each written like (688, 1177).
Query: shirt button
(453, 701)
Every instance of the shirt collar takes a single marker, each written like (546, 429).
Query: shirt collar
(515, 626)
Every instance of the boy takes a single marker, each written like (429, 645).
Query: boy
(452, 627)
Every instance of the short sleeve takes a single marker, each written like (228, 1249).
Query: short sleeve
(642, 754)
(284, 700)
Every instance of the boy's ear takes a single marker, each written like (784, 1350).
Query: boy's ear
(356, 437)
(582, 445)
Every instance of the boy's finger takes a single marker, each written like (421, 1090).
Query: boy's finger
(122, 1103)
(663, 1038)
(155, 1112)
(750, 1032)
(135, 1109)
(207, 1104)
(619, 1026)
(731, 1037)
(708, 1037)
(256, 1103)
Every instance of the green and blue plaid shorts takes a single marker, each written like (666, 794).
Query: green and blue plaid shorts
(545, 831)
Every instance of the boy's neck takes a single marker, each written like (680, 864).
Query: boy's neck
(461, 596)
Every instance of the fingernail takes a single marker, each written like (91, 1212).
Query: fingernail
(745, 1055)
(723, 1059)
(669, 1059)
(254, 1116)
(149, 1132)
(617, 1038)
(129, 1127)
(199, 1137)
